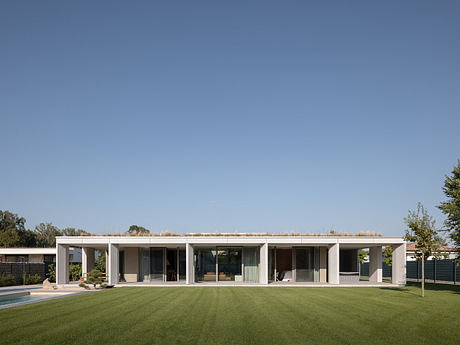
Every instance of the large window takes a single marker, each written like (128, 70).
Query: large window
(251, 265)
(307, 264)
(229, 262)
(221, 264)
(182, 264)
(205, 264)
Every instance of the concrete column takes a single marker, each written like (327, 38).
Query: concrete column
(322, 264)
(62, 264)
(189, 266)
(375, 264)
(113, 261)
(87, 260)
(263, 265)
(334, 264)
(398, 263)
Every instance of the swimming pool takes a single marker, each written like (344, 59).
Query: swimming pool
(19, 299)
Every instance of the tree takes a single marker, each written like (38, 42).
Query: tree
(74, 232)
(74, 272)
(138, 230)
(51, 273)
(422, 231)
(94, 277)
(46, 234)
(13, 232)
(362, 256)
(451, 207)
(100, 262)
(388, 255)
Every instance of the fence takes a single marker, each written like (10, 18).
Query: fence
(436, 270)
(19, 270)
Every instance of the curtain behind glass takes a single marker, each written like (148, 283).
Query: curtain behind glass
(251, 261)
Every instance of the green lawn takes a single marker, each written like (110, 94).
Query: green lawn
(240, 315)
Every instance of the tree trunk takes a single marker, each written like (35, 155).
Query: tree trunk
(423, 274)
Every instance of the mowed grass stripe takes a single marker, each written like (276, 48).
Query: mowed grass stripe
(239, 315)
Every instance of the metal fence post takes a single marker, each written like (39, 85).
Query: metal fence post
(455, 272)
(434, 270)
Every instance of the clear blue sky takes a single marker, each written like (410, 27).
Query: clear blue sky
(227, 115)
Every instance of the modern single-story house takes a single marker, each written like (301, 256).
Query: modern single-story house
(443, 252)
(35, 255)
(237, 259)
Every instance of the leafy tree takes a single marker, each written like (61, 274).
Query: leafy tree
(13, 232)
(94, 277)
(100, 262)
(74, 272)
(362, 255)
(388, 255)
(51, 273)
(46, 234)
(421, 230)
(74, 232)
(138, 230)
(451, 207)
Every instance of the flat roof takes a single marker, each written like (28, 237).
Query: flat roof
(361, 241)
(27, 251)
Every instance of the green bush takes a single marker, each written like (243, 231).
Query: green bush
(83, 285)
(33, 279)
(51, 273)
(7, 280)
(94, 277)
(75, 272)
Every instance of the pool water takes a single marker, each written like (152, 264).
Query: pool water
(19, 299)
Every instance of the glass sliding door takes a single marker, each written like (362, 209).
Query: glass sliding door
(304, 264)
(182, 264)
(144, 264)
(205, 264)
(307, 264)
(171, 265)
(251, 265)
(229, 262)
(156, 264)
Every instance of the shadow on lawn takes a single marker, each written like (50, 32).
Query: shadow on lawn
(428, 287)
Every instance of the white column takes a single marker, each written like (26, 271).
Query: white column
(113, 264)
(189, 267)
(62, 264)
(398, 263)
(334, 264)
(375, 264)
(87, 260)
(263, 266)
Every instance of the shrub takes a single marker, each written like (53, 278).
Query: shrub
(75, 272)
(32, 279)
(7, 280)
(83, 285)
(94, 277)
(51, 273)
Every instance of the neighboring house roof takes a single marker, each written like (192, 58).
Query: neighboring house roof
(410, 247)
(27, 251)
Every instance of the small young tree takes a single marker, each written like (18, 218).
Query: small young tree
(422, 231)
(451, 207)
(388, 255)
(74, 272)
(94, 277)
(51, 273)
(100, 262)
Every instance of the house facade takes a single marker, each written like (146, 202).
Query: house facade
(35, 255)
(237, 259)
(441, 253)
